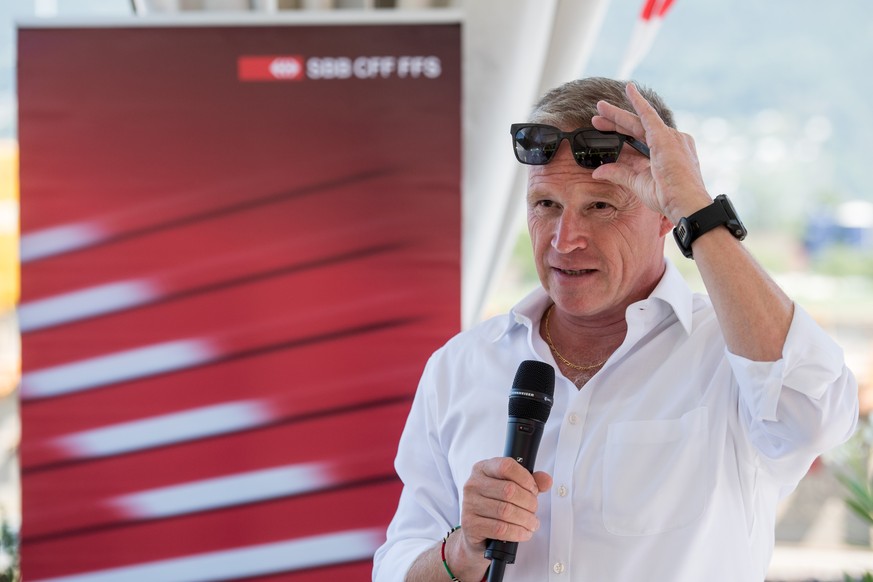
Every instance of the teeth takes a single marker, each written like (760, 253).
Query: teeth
(572, 272)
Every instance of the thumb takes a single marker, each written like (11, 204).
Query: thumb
(618, 174)
(543, 480)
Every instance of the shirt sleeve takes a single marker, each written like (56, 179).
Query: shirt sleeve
(428, 505)
(801, 405)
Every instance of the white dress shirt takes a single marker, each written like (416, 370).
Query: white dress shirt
(668, 464)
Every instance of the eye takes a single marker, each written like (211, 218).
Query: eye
(601, 206)
(544, 203)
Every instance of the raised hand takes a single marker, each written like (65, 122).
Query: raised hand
(670, 181)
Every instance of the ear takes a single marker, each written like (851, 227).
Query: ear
(666, 225)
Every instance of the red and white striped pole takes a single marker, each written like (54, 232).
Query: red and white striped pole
(645, 31)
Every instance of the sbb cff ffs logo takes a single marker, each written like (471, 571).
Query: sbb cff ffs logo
(297, 68)
(286, 68)
(270, 68)
(406, 67)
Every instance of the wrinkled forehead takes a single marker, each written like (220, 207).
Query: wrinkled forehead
(563, 175)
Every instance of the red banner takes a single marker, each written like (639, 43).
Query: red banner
(239, 245)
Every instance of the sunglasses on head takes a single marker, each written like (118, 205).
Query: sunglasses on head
(536, 144)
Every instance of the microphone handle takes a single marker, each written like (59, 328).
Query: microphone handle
(523, 437)
(495, 572)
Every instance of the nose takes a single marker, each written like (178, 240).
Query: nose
(572, 233)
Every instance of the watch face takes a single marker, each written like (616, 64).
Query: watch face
(682, 234)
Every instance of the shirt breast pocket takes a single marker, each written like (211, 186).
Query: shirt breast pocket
(654, 477)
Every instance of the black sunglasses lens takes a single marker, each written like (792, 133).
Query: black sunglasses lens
(535, 145)
(593, 149)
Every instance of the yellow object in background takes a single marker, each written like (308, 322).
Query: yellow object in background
(10, 361)
(9, 279)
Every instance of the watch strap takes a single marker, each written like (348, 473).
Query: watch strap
(719, 213)
(707, 218)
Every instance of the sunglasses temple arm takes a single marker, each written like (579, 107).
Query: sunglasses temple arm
(638, 145)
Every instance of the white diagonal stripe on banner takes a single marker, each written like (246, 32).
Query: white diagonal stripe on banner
(260, 560)
(165, 429)
(225, 491)
(84, 303)
(118, 367)
(59, 239)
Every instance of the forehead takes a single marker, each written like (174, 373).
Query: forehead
(564, 175)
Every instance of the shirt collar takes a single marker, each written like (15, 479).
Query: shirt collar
(674, 291)
(671, 289)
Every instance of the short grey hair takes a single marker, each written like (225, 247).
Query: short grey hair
(573, 104)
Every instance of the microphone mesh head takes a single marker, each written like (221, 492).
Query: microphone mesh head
(537, 378)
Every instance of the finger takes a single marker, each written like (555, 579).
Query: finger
(614, 118)
(618, 174)
(490, 497)
(603, 124)
(488, 518)
(478, 528)
(506, 532)
(506, 512)
(508, 469)
(485, 518)
(647, 115)
(501, 480)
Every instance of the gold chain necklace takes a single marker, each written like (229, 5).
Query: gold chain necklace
(557, 353)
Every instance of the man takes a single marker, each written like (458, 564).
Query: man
(679, 420)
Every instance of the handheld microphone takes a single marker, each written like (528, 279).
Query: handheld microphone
(530, 402)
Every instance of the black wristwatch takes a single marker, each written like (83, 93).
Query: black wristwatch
(720, 212)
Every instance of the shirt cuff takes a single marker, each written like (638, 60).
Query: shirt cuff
(811, 361)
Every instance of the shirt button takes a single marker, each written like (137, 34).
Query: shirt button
(573, 418)
(562, 491)
(558, 567)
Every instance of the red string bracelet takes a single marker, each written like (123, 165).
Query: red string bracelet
(446, 564)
